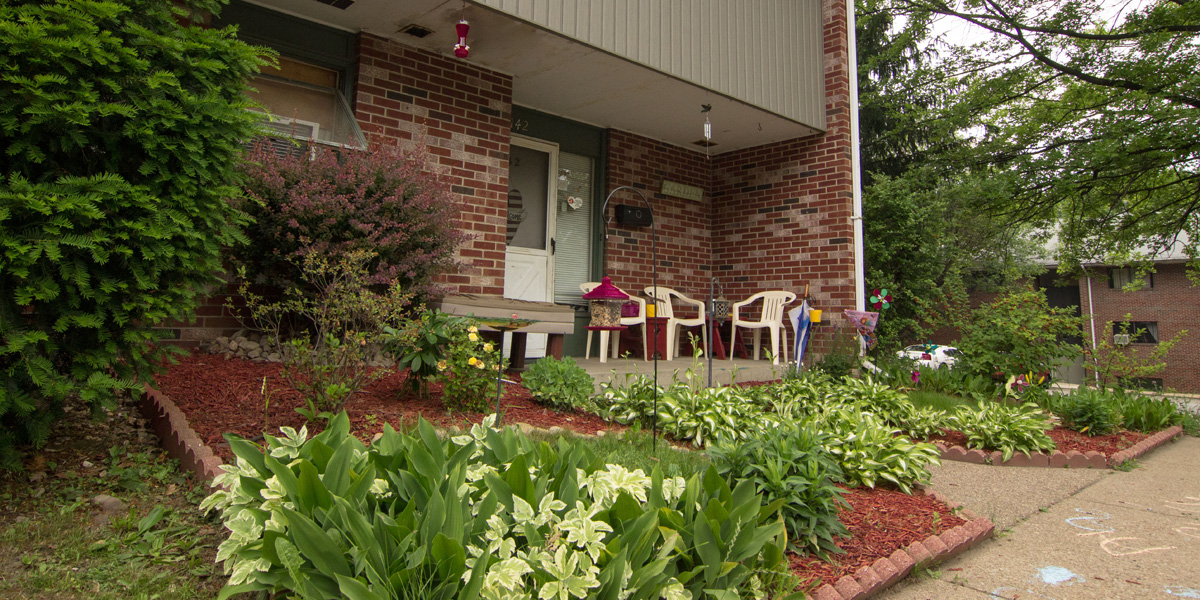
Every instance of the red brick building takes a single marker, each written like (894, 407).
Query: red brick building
(556, 104)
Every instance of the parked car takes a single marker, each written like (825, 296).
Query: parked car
(935, 358)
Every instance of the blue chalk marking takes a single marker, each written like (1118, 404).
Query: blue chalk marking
(1057, 575)
(1181, 592)
(1094, 516)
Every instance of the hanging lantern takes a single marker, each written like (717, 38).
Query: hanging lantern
(461, 49)
(606, 302)
(721, 308)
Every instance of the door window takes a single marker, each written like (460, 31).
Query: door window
(527, 192)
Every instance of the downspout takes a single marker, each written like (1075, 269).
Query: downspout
(860, 299)
(1092, 316)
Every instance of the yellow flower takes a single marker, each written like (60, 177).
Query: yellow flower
(487, 347)
(441, 365)
(479, 364)
(473, 329)
(472, 360)
(472, 337)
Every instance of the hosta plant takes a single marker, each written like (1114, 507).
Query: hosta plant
(789, 463)
(485, 515)
(869, 451)
(1009, 429)
(559, 383)
(1089, 411)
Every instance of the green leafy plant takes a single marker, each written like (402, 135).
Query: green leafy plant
(559, 383)
(490, 514)
(1145, 413)
(869, 451)
(1017, 333)
(468, 373)
(842, 356)
(789, 463)
(332, 328)
(1009, 429)
(117, 157)
(1089, 411)
(419, 346)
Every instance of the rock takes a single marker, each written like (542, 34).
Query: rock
(273, 357)
(37, 476)
(249, 346)
(601, 433)
(109, 504)
(526, 428)
(87, 464)
(233, 344)
(556, 430)
(255, 353)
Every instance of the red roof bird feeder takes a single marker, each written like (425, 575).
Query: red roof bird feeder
(461, 49)
(606, 301)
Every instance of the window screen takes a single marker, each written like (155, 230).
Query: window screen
(573, 234)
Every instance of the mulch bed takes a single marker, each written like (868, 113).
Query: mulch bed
(1066, 440)
(880, 521)
(220, 394)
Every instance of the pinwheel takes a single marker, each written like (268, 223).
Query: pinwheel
(881, 299)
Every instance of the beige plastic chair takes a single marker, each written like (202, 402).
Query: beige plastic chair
(640, 319)
(770, 318)
(663, 308)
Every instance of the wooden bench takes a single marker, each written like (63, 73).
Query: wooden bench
(552, 319)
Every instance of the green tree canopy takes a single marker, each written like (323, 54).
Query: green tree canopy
(1089, 112)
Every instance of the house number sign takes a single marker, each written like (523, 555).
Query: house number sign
(679, 190)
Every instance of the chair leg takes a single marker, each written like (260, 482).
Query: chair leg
(645, 342)
(587, 353)
(732, 338)
(757, 342)
(775, 345)
(616, 344)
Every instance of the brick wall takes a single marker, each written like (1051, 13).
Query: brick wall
(682, 227)
(1173, 303)
(462, 114)
(781, 212)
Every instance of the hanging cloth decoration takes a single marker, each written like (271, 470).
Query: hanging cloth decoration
(865, 323)
(881, 299)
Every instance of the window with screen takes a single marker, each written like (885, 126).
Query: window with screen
(304, 101)
(573, 240)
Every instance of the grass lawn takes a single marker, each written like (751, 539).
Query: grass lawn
(55, 544)
(939, 401)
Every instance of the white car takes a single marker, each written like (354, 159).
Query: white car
(938, 356)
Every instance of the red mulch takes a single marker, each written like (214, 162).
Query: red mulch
(1066, 439)
(881, 521)
(220, 395)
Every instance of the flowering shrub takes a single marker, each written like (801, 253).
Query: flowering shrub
(468, 371)
(381, 200)
(419, 346)
(486, 515)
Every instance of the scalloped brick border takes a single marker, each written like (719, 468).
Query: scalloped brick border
(1073, 459)
(177, 436)
(884, 572)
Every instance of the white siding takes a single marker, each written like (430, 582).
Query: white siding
(768, 53)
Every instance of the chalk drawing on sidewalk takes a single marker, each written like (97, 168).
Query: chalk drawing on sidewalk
(1111, 546)
(1181, 592)
(1192, 532)
(1188, 503)
(1091, 522)
(1058, 576)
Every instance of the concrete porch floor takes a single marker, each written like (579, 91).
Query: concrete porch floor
(723, 370)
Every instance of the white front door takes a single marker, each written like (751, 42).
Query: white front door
(529, 257)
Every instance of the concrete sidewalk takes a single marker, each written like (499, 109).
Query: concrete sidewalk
(1066, 535)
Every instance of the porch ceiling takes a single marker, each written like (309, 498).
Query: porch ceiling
(560, 76)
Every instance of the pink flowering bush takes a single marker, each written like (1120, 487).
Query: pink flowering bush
(382, 200)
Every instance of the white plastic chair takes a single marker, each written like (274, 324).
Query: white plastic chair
(770, 318)
(640, 319)
(663, 308)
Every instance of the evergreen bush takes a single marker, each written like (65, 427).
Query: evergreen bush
(121, 124)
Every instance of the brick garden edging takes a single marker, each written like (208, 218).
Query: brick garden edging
(177, 436)
(1073, 459)
(181, 443)
(884, 572)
